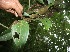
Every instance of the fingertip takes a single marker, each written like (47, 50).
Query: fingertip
(16, 14)
(20, 15)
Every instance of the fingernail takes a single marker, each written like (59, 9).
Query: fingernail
(16, 14)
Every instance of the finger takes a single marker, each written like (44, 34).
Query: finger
(16, 14)
(9, 10)
(19, 5)
(13, 12)
(17, 9)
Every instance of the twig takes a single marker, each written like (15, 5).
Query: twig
(4, 26)
(29, 3)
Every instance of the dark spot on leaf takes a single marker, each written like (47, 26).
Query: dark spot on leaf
(16, 35)
(46, 21)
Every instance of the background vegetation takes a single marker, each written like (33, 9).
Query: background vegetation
(44, 27)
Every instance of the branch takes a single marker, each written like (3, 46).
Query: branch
(4, 26)
(39, 12)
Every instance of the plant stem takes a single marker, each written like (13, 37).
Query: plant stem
(4, 26)
(29, 3)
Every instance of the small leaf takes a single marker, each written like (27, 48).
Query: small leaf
(6, 35)
(46, 22)
(20, 32)
(26, 14)
(41, 1)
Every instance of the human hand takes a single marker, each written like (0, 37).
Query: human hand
(12, 6)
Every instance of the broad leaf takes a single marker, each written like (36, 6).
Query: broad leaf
(20, 32)
(6, 35)
(46, 22)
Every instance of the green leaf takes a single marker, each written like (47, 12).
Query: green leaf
(20, 32)
(50, 2)
(46, 22)
(6, 35)
(26, 14)
(41, 1)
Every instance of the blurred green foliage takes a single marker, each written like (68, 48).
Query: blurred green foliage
(55, 39)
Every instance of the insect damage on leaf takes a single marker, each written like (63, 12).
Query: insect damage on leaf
(16, 35)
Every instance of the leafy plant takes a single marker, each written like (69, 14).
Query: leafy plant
(20, 32)
(44, 27)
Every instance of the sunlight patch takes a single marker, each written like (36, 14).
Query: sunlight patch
(68, 49)
(68, 21)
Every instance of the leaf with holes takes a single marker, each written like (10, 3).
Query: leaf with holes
(6, 35)
(20, 32)
(46, 22)
(41, 1)
(50, 2)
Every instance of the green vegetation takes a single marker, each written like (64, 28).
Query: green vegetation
(44, 27)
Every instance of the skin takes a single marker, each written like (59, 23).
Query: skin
(12, 6)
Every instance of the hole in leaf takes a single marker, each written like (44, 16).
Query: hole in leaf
(16, 35)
